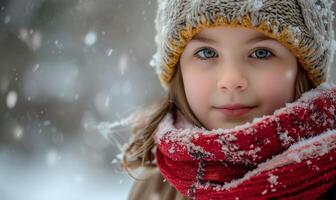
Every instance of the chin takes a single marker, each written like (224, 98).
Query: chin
(235, 123)
(223, 126)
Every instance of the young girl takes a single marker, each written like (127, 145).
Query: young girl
(248, 112)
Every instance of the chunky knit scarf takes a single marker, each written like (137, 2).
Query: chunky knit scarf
(288, 155)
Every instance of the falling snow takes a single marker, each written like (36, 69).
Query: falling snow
(11, 99)
(90, 38)
(7, 19)
(109, 52)
(18, 132)
(52, 158)
(37, 66)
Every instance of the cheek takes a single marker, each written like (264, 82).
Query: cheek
(197, 89)
(277, 88)
(278, 82)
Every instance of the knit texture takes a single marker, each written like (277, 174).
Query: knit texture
(303, 26)
(288, 155)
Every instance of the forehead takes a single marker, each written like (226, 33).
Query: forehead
(214, 35)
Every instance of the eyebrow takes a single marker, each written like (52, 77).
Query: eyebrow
(257, 38)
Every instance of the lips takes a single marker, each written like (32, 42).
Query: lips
(234, 110)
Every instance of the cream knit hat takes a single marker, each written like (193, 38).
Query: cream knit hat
(303, 26)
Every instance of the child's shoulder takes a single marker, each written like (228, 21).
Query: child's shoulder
(152, 186)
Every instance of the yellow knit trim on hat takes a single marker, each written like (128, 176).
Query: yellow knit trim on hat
(285, 37)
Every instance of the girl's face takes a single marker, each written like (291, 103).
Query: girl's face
(223, 66)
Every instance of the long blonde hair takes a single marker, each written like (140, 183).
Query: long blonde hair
(139, 153)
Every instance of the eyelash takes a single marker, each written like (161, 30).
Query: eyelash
(270, 53)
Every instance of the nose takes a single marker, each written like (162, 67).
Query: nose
(232, 78)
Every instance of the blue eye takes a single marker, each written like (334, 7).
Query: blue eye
(206, 53)
(262, 54)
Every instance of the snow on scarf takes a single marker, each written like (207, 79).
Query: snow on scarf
(288, 155)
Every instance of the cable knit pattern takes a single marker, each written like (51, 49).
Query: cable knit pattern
(303, 26)
(288, 155)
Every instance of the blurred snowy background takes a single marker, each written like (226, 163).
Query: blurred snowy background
(65, 66)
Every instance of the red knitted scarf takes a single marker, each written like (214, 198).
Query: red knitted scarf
(288, 155)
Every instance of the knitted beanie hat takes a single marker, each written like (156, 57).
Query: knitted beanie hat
(303, 26)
